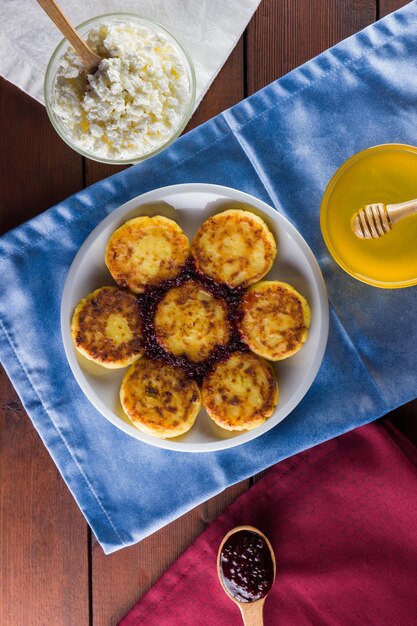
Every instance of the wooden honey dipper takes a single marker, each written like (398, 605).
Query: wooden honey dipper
(375, 220)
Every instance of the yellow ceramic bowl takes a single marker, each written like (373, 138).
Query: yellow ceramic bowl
(388, 174)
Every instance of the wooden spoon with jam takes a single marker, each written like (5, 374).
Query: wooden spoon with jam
(246, 568)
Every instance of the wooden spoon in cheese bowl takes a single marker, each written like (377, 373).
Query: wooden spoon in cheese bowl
(89, 58)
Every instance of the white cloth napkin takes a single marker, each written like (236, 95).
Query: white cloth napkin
(209, 29)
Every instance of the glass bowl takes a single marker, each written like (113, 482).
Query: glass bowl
(386, 173)
(83, 29)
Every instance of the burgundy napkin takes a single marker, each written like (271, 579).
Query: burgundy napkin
(342, 518)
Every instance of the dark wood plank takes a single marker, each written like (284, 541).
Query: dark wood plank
(43, 535)
(39, 169)
(285, 33)
(120, 579)
(387, 6)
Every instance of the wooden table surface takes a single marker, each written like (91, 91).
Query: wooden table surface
(52, 570)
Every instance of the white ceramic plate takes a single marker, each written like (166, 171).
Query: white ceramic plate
(190, 205)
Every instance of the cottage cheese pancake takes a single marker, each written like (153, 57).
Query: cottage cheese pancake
(191, 321)
(275, 320)
(241, 392)
(234, 247)
(107, 326)
(160, 399)
(146, 251)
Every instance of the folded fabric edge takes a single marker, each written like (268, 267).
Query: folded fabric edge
(117, 542)
(12, 60)
(23, 236)
(251, 11)
(233, 119)
(25, 387)
(177, 513)
(346, 52)
(273, 476)
(86, 499)
(29, 78)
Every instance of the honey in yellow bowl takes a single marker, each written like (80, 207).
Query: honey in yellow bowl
(387, 174)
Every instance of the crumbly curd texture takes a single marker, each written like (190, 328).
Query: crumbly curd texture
(135, 101)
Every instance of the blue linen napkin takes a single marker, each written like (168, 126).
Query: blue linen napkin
(282, 145)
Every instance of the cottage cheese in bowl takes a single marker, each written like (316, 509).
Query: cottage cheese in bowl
(139, 99)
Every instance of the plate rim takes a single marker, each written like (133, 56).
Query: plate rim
(309, 375)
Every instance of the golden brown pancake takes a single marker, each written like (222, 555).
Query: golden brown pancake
(107, 326)
(146, 251)
(241, 392)
(275, 320)
(234, 247)
(190, 321)
(160, 399)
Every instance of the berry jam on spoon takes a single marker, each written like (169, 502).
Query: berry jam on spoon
(246, 568)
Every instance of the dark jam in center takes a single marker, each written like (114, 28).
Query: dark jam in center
(149, 301)
(246, 566)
